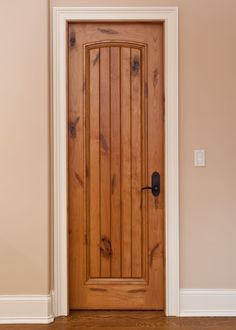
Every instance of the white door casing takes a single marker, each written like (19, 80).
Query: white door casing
(61, 15)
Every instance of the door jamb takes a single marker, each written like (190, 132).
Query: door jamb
(61, 16)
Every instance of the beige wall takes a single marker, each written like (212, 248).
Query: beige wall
(24, 147)
(207, 80)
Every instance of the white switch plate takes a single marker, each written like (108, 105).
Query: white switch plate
(199, 158)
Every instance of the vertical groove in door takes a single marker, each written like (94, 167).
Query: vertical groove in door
(110, 219)
(121, 240)
(99, 129)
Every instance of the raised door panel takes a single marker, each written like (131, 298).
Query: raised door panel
(116, 160)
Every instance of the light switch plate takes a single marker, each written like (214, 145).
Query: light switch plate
(199, 158)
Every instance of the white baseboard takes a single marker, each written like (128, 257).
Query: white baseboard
(193, 302)
(207, 302)
(26, 309)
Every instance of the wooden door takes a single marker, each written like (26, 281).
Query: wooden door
(115, 143)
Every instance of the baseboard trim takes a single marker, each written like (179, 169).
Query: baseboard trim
(207, 302)
(38, 309)
(26, 309)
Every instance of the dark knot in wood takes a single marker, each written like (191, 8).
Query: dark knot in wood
(155, 77)
(152, 253)
(135, 65)
(105, 247)
(78, 178)
(108, 31)
(72, 39)
(103, 143)
(72, 127)
(96, 59)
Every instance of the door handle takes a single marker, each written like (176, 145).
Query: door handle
(155, 188)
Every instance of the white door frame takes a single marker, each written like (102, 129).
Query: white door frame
(61, 15)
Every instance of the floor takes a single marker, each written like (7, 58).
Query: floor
(131, 320)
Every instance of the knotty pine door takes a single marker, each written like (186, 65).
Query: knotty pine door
(115, 143)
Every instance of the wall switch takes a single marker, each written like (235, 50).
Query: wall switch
(199, 158)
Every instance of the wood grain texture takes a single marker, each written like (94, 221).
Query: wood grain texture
(115, 139)
(130, 320)
(93, 159)
(76, 172)
(115, 162)
(105, 154)
(136, 162)
(155, 206)
(126, 163)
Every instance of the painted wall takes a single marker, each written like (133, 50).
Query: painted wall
(24, 147)
(207, 80)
